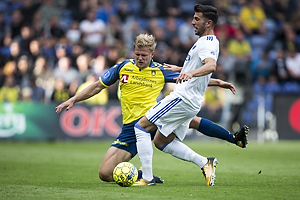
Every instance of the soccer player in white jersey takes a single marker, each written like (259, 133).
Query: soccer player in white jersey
(172, 115)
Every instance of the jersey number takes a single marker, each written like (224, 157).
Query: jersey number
(210, 38)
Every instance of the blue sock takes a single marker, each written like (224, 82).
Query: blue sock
(211, 129)
(139, 174)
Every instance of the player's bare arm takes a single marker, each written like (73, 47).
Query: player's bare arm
(222, 84)
(209, 67)
(88, 92)
(173, 68)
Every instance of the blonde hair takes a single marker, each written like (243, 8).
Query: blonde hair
(145, 40)
(9, 68)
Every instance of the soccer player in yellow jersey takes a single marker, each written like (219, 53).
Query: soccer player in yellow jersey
(141, 81)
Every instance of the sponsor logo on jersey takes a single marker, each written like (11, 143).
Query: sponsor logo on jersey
(153, 73)
(124, 78)
(213, 53)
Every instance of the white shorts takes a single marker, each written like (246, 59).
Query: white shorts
(172, 115)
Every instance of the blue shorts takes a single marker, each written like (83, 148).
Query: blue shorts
(127, 140)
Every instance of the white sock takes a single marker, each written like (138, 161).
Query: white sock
(145, 151)
(181, 151)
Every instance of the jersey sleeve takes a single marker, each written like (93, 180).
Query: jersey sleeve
(209, 49)
(112, 75)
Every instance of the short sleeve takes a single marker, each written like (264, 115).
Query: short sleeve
(112, 75)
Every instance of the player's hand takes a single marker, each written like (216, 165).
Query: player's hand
(226, 85)
(173, 68)
(69, 104)
(183, 77)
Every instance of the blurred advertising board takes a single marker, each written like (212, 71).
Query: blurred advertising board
(287, 112)
(37, 121)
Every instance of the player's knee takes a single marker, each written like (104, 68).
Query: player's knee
(195, 123)
(105, 176)
(158, 144)
(101, 175)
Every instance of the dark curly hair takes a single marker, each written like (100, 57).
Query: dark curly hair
(208, 12)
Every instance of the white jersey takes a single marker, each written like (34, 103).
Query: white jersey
(192, 91)
(174, 113)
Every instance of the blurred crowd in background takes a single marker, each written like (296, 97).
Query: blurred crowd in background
(50, 50)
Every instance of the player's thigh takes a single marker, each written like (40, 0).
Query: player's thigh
(146, 124)
(113, 157)
(171, 115)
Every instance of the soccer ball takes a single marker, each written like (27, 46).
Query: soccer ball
(125, 174)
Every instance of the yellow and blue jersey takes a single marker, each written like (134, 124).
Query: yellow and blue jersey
(139, 87)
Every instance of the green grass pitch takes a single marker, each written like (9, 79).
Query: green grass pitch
(69, 170)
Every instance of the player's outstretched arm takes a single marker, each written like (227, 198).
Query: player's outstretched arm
(209, 67)
(173, 68)
(222, 84)
(88, 92)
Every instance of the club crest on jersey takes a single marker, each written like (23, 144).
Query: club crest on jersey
(153, 73)
(124, 78)
(188, 58)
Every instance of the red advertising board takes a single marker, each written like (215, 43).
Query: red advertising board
(287, 112)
